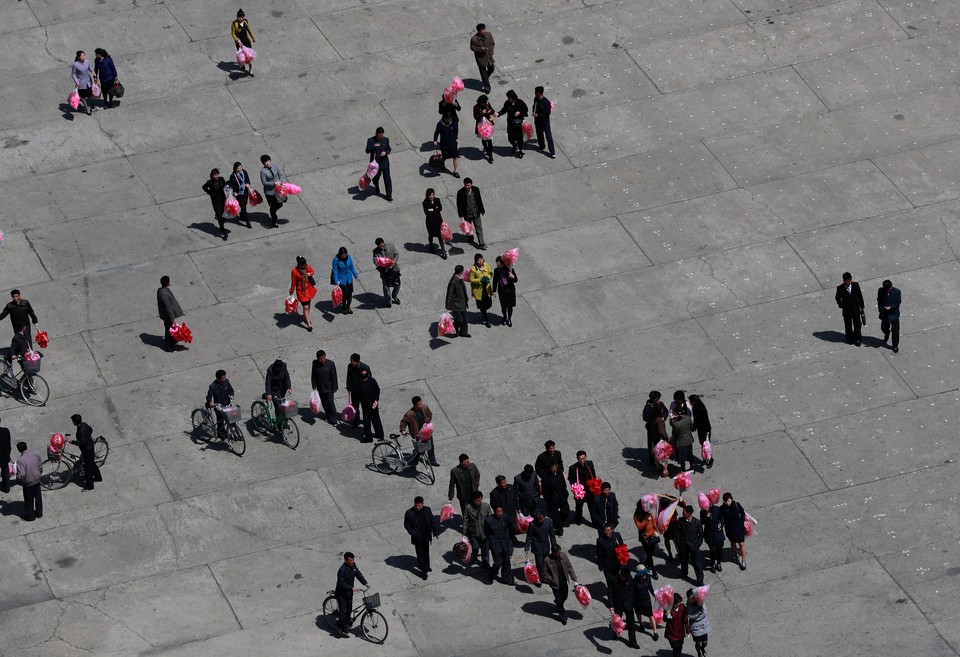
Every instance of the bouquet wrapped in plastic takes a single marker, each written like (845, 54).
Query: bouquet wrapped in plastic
(623, 554)
(231, 207)
(74, 99)
(241, 57)
(700, 593)
(485, 129)
(290, 304)
(180, 332)
(372, 169)
(553, 105)
(578, 491)
(42, 339)
(364, 182)
(446, 512)
(249, 54)
(714, 495)
(426, 431)
(662, 451)
(445, 325)
(463, 550)
(703, 501)
(457, 84)
(706, 449)
(256, 198)
(348, 413)
(315, 404)
(650, 503)
(287, 189)
(583, 595)
(466, 227)
(616, 623)
(384, 261)
(445, 233)
(527, 128)
(523, 523)
(682, 481)
(748, 528)
(664, 596)
(1, 237)
(57, 441)
(663, 520)
(336, 295)
(465, 276)
(510, 257)
(449, 95)
(658, 615)
(530, 573)
(595, 485)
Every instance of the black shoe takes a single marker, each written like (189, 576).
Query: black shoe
(389, 199)
(482, 247)
(654, 575)
(465, 335)
(520, 155)
(444, 255)
(858, 343)
(434, 464)
(719, 567)
(510, 323)
(85, 489)
(656, 637)
(896, 350)
(487, 324)
(456, 175)
(634, 645)
(366, 440)
(397, 301)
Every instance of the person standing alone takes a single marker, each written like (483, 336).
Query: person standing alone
(379, 148)
(482, 45)
(389, 276)
(169, 310)
(470, 208)
(242, 35)
(888, 303)
(541, 120)
(423, 527)
(850, 301)
(214, 188)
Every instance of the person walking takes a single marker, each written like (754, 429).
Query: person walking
(699, 623)
(554, 490)
(677, 625)
(4, 460)
(323, 378)
(446, 137)
(701, 420)
(690, 538)
(580, 473)
(456, 301)
(682, 425)
(423, 527)
(346, 587)
(91, 472)
(482, 45)
(303, 285)
(389, 276)
(733, 518)
(646, 524)
(413, 420)
(607, 555)
(850, 301)
(214, 188)
(621, 599)
(558, 573)
(527, 488)
(378, 147)
(541, 121)
(106, 74)
(445, 108)
(654, 418)
(433, 218)
(888, 304)
(484, 110)
(474, 516)
(270, 175)
(643, 600)
(504, 495)
(480, 286)
(343, 273)
(83, 79)
(470, 208)
(605, 509)
(550, 454)
(464, 482)
(240, 184)
(29, 471)
(242, 34)
(353, 384)
(499, 533)
(20, 312)
(505, 284)
(169, 310)
(541, 540)
(516, 111)
(368, 390)
(712, 521)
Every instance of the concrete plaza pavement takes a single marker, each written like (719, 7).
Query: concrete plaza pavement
(719, 166)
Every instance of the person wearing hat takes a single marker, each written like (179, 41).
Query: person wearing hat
(643, 599)
(242, 35)
(888, 303)
(850, 301)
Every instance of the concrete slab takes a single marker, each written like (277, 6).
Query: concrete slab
(931, 307)
(204, 21)
(47, 147)
(68, 367)
(25, 584)
(17, 17)
(111, 550)
(22, 266)
(930, 366)
(762, 272)
(918, 174)
(665, 19)
(923, 573)
(18, 627)
(38, 58)
(922, 17)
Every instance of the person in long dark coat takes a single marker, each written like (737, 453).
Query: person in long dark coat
(701, 420)
(323, 377)
(456, 301)
(559, 574)
(541, 539)
(4, 460)
(621, 599)
(733, 517)
(91, 473)
(505, 495)
(515, 110)
(423, 527)
(849, 299)
(527, 487)
(607, 554)
(554, 487)
(353, 383)
(643, 599)
(605, 509)
(214, 188)
(169, 311)
(433, 218)
(712, 522)
(497, 528)
(579, 473)
(369, 393)
(505, 284)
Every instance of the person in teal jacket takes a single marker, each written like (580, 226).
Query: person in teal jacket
(343, 274)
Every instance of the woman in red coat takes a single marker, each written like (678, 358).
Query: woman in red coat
(678, 625)
(303, 285)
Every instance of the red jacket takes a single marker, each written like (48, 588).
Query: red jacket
(305, 291)
(678, 626)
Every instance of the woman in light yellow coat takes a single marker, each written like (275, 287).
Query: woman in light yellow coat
(480, 284)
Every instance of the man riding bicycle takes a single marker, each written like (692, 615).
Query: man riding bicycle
(220, 393)
(277, 385)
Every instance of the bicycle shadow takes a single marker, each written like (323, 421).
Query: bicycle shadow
(215, 444)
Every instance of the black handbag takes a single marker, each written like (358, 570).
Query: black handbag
(118, 89)
(436, 160)
(312, 281)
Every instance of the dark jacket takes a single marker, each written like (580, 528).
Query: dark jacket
(383, 161)
(606, 553)
(733, 517)
(552, 568)
(851, 303)
(582, 473)
(19, 312)
(643, 594)
(368, 392)
(482, 46)
(541, 537)
(884, 298)
(446, 135)
(462, 201)
(505, 286)
(411, 424)
(220, 393)
(445, 108)
(541, 109)
(683, 428)
(167, 305)
(353, 374)
(542, 464)
(19, 345)
(105, 71)
(554, 489)
(473, 520)
(84, 438)
(481, 112)
(701, 419)
(4, 446)
(507, 498)
(277, 384)
(712, 522)
(433, 215)
(345, 579)
(497, 531)
(240, 182)
(509, 109)
(464, 482)
(389, 275)
(214, 188)
(527, 492)
(456, 294)
(323, 376)
(621, 594)
(422, 525)
(605, 510)
(689, 532)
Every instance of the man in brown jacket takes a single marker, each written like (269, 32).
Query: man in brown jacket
(482, 45)
(415, 418)
(558, 573)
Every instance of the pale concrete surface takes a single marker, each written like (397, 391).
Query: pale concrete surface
(718, 167)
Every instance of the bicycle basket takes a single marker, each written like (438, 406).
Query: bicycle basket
(53, 452)
(231, 414)
(31, 366)
(423, 446)
(372, 601)
(289, 408)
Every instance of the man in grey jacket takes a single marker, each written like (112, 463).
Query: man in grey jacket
(456, 303)
(270, 175)
(474, 516)
(389, 276)
(169, 311)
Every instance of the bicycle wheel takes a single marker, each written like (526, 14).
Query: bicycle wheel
(291, 433)
(34, 389)
(374, 626)
(235, 439)
(386, 458)
(425, 470)
(201, 428)
(57, 473)
(259, 417)
(331, 611)
(101, 448)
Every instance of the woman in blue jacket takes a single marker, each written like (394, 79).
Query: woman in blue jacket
(343, 274)
(106, 74)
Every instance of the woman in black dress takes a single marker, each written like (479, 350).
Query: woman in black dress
(432, 209)
(505, 283)
(214, 188)
(701, 420)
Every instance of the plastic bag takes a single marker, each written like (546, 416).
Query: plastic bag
(664, 596)
(286, 189)
(523, 523)
(364, 182)
(658, 616)
(623, 554)
(426, 431)
(95, 90)
(255, 197)
(682, 481)
(336, 295)
(57, 441)
(530, 573)
(662, 451)
(583, 595)
(748, 527)
(449, 95)
(466, 227)
(707, 450)
(348, 413)
(249, 54)
(485, 129)
(465, 276)
(462, 550)
(510, 257)
(700, 593)
(290, 305)
(372, 169)
(553, 106)
(1, 237)
(231, 207)
(445, 233)
(384, 261)
(527, 128)
(578, 491)
(714, 495)
(616, 623)
(650, 503)
(445, 325)
(241, 57)
(703, 501)
(74, 99)
(446, 512)
(595, 485)
(42, 339)
(457, 84)
(180, 332)
(315, 404)
(663, 520)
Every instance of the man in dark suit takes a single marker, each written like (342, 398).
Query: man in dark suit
(690, 538)
(888, 303)
(422, 526)
(323, 376)
(579, 473)
(169, 311)
(499, 537)
(541, 539)
(505, 495)
(353, 381)
(456, 302)
(20, 311)
(550, 454)
(5, 459)
(379, 148)
(607, 556)
(850, 301)
(346, 578)
(527, 488)
(91, 473)
(470, 208)
(368, 391)
(605, 509)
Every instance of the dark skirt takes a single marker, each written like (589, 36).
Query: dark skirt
(508, 296)
(433, 226)
(85, 93)
(484, 302)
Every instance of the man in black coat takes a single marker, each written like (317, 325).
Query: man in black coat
(499, 531)
(579, 473)
(850, 301)
(19, 346)
(888, 304)
(621, 599)
(219, 393)
(346, 579)
(607, 555)
(550, 454)
(464, 482)
(422, 526)
(526, 485)
(554, 488)
(368, 390)
(20, 311)
(276, 386)
(91, 473)
(470, 208)
(515, 110)
(353, 381)
(689, 539)
(605, 509)
(655, 415)
(323, 377)
(379, 148)
(505, 495)
(541, 120)
(169, 310)
(456, 302)
(5, 460)
(541, 539)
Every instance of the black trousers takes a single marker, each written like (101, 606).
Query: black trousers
(242, 200)
(560, 595)
(218, 212)
(32, 502)
(889, 326)
(384, 172)
(91, 472)
(544, 132)
(357, 407)
(372, 415)
(515, 136)
(460, 321)
(329, 407)
(274, 206)
(648, 550)
(5, 474)
(347, 289)
(578, 513)
(485, 73)
(423, 555)
(501, 562)
(345, 604)
(168, 341)
(630, 619)
(558, 511)
(716, 553)
(691, 556)
(851, 327)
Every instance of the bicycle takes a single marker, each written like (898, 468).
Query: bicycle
(61, 466)
(264, 420)
(205, 426)
(33, 388)
(388, 458)
(373, 624)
